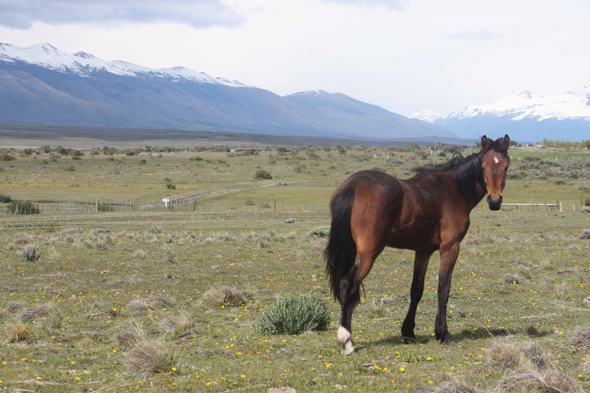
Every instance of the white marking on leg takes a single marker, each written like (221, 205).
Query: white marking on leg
(348, 348)
(357, 261)
(344, 338)
(343, 335)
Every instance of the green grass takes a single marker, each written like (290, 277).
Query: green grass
(90, 271)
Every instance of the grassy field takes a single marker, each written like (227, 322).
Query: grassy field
(112, 291)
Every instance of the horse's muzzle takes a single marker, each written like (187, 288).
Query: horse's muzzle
(495, 205)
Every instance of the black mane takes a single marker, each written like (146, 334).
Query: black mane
(467, 172)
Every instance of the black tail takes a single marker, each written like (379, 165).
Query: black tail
(340, 252)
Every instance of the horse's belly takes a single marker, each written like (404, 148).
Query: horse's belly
(414, 238)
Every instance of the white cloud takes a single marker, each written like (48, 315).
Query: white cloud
(393, 4)
(21, 14)
(483, 35)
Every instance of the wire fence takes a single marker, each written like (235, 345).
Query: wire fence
(169, 205)
(222, 206)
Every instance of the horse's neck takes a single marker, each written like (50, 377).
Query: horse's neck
(476, 197)
(472, 194)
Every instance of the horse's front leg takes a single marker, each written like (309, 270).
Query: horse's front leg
(420, 266)
(448, 257)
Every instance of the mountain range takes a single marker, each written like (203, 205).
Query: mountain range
(523, 115)
(42, 85)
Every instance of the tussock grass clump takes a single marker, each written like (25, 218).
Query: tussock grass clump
(300, 256)
(295, 315)
(29, 252)
(139, 254)
(454, 387)
(562, 290)
(13, 307)
(37, 311)
(535, 353)
(174, 323)
(510, 278)
(503, 356)
(321, 232)
(150, 357)
(150, 303)
(318, 248)
(225, 296)
(581, 340)
(129, 333)
(549, 381)
(17, 332)
(263, 244)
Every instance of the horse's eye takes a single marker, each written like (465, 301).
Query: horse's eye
(483, 169)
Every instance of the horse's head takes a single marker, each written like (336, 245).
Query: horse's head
(494, 164)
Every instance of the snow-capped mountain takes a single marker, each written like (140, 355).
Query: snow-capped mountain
(426, 115)
(527, 116)
(85, 64)
(42, 85)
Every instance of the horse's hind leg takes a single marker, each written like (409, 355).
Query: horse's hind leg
(350, 296)
(420, 266)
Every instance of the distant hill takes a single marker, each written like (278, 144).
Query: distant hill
(41, 85)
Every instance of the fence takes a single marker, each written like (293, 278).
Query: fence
(180, 205)
(213, 206)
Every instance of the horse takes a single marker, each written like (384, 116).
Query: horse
(425, 213)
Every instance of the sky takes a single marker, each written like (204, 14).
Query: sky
(403, 55)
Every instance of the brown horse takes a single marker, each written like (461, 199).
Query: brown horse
(428, 212)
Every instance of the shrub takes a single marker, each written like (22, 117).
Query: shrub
(295, 315)
(171, 186)
(320, 231)
(151, 357)
(29, 252)
(104, 207)
(155, 230)
(7, 157)
(262, 174)
(23, 208)
(4, 199)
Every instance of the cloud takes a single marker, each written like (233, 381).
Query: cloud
(393, 4)
(483, 35)
(200, 14)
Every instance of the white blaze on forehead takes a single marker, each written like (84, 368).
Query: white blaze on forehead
(496, 160)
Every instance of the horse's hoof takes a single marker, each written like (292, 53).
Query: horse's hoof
(448, 340)
(348, 351)
(409, 340)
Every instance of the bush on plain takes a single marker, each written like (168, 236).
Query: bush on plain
(295, 315)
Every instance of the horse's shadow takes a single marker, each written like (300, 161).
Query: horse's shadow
(464, 335)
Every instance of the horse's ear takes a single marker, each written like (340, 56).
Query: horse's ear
(506, 141)
(485, 144)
